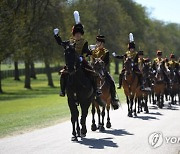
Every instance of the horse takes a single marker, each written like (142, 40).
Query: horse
(173, 85)
(79, 91)
(142, 96)
(129, 84)
(160, 84)
(104, 85)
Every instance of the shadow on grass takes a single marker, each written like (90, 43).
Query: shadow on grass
(98, 143)
(31, 93)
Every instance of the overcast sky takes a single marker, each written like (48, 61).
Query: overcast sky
(166, 10)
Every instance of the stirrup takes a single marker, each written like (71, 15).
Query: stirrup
(62, 94)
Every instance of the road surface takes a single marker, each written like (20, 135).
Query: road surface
(127, 136)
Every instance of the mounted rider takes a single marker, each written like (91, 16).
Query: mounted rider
(132, 54)
(82, 50)
(101, 52)
(174, 65)
(157, 61)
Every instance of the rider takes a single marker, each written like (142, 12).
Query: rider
(82, 50)
(174, 65)
(131, 53)
(101, 52)
(157, 61)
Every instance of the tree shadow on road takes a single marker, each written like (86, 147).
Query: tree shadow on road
(117, 132)
(98, 143)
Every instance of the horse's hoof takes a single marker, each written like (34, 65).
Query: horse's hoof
(93, 127)
(108, 125)
(135, 114)
(130, 115)
(83, 135)
(74, 138)
(101, 129)
(138, 111)
(147, 111)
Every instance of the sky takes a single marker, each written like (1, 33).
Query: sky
(166, 10)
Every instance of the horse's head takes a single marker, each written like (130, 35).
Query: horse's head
(70, 56)
(98, 66)
(128, 65)
(160, 71)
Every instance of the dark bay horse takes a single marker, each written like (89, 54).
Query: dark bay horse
(160, 84)
(130, 84)
(142, 96)
(173, 85)
(79, 91)
(104, 85)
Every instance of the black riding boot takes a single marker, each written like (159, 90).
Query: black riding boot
(115, 100)
(63, 79)
(120, 80)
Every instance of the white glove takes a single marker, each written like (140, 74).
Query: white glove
(114, 54)
(56, 31)
(80, 59)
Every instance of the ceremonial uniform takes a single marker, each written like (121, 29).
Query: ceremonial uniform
(81, 48)
(132, 54)
(103, 53)
(174, 65)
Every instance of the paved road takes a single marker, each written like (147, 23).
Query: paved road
(127, 136)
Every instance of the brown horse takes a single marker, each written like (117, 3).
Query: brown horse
(142, 96)
(130, 83)
(104, 85)
(160, 84)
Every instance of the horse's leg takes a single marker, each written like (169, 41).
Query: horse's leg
(153, 98)
(74, 117)
(93, 126)
(146, 106)
(108, 124)
(127, 99)
(99, 116)
(131, 106)
(135, 114)
(102, 124)
(84, 113)
(139, 106)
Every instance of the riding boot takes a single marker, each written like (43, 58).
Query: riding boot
(115, 100)
(120, 80)
(62, 84)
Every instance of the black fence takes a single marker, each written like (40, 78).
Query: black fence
(10, 73)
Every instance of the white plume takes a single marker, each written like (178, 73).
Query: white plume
(131, 38)
(76, 17)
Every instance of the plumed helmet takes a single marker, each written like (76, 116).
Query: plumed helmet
(131, 43)
(78, 27)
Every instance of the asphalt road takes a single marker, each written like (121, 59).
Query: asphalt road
(127, 136)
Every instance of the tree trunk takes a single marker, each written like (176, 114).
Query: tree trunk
(48, 73)
(27, 76)
(33, 73)
(16, 71)
(1, 91)
(116, 67)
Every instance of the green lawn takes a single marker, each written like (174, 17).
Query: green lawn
(23, 110)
